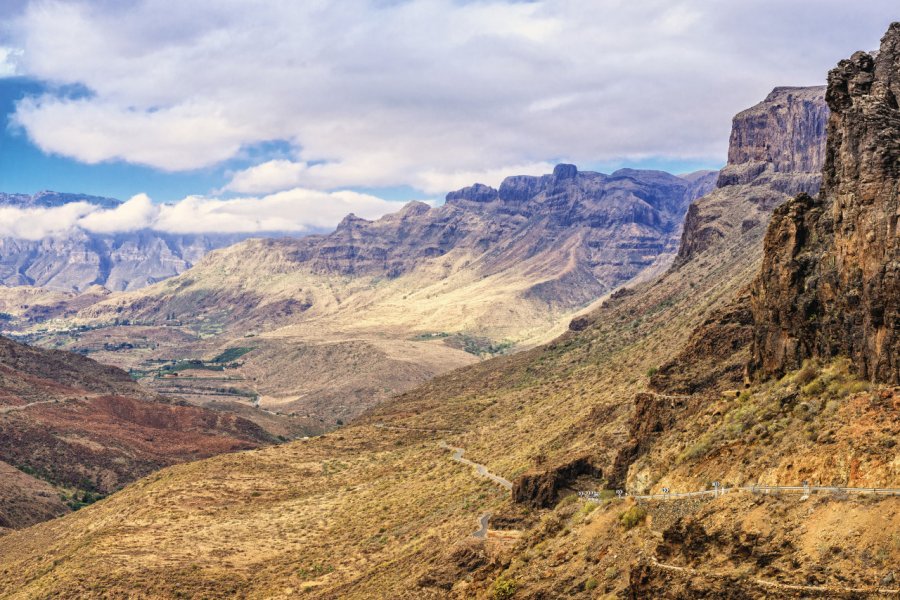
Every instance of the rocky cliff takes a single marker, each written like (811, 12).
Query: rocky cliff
(599, 230)
(776, 150)
(830, 280)
(79, 259)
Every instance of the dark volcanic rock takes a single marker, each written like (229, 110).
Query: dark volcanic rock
(541, 489)
(830, 280)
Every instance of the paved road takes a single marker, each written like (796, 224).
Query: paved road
(479, 468)
(483, 520)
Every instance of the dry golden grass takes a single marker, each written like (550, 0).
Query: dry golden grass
(372, 513)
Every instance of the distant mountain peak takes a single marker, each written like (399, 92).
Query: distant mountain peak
(51, 199)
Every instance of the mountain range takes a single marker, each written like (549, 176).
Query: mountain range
(761, 353)
(334, 324)
(78, 259)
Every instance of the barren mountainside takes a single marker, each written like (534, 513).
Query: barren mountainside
(385, 507)
(77, 429)
(390, 303)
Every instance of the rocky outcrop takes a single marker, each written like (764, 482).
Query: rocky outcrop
(784, 133)
(776, 150)
(79, 259)
(541, 489)
(715, 355)
(652, 415)
(830, 279)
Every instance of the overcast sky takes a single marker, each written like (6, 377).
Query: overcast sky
(393, 100)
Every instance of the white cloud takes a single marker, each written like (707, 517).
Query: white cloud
(374, 93)
(271, 176)
(276, 175)
(435, 181)
(297, 210)
(137, 213)
(185, 136)
(9, 58)
(39, 223)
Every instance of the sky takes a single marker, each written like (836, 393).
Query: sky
(242, 115)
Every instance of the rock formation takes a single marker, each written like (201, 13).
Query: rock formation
(618, 224)
(830, 280)
(776, 150)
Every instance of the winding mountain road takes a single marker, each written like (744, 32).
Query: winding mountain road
(479, 468)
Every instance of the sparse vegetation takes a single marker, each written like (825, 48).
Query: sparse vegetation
(504, 588)
(633, 517)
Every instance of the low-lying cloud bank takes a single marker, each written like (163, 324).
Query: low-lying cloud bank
(296, 211)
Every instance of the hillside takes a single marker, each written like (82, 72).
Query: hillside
(389, 304)
(77, 430)
(380, 508)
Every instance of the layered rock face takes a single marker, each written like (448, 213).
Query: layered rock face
(776, 150)
(609, 227)
(783, 134)
(79, 259)
(830, 280)
(777, 147)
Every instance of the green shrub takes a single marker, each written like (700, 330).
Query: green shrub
(701, 448)
(504, 588)
(652, 371)
(806, 374)
(814, 388)
(591, 583)
(633, 517)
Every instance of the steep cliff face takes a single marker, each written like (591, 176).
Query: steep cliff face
(79, 259)
(616, 225)
(830, 280)
(785, 133)
(776, 150)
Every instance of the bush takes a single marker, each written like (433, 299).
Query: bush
(504, 588)
(633, 517)
(815, 388)
(806, 374)
(591, 583)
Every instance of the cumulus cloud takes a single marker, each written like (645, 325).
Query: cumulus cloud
(39, 223)
(137, 213)
(374, 93)
(292, 211)
(276, 175)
